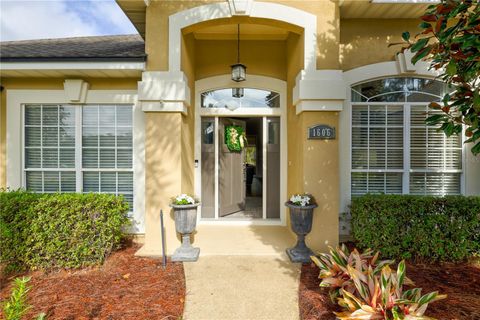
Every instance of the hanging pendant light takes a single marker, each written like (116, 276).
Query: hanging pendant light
(239, 71)
(237, 92)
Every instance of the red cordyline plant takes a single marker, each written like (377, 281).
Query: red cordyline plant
(366, 288)
(382, 297)
(450, 40)
(334, 267)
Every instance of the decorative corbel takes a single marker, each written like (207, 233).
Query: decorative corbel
(75, 90)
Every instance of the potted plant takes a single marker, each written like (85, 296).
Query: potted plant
(301, 216)
(185, 212)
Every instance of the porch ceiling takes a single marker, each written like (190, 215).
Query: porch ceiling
(247, 32)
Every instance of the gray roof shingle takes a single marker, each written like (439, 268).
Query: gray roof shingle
(98, 48)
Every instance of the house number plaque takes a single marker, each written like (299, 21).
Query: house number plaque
(321, 131)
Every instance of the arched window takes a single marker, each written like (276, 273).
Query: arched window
(250, 98)
(393, 151)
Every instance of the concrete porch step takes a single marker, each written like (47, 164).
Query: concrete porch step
(222, 240)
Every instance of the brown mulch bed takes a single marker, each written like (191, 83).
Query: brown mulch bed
(461, 282)
(125, 287)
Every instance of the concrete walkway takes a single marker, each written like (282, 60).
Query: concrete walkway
(242, 287)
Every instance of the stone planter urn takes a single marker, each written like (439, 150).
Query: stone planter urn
(185, 223)
(301, 223)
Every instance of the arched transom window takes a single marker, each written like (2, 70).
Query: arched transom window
(233, 98)
(393, 151)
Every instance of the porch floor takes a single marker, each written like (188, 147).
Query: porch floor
(214, 240)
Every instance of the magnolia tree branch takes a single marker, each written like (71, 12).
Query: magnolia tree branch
(450, 40)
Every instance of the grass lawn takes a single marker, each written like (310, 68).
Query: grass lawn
(461, 282)
(125, 287)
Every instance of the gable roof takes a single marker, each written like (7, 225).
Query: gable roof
(98, 48)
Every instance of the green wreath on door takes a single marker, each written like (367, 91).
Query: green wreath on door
(235, 138)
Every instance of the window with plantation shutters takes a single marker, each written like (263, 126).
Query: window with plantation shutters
(435, 160)
(107, 150)
(50, 148)
(392, 150)
(79, 149)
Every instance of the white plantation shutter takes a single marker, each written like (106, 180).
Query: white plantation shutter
(106, 149)
(378, 131)
(107, 146)
(436, 161)
(49, 148)
(377, 147)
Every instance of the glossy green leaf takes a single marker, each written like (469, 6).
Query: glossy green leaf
(419, 45)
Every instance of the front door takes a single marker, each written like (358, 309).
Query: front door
(232, 182)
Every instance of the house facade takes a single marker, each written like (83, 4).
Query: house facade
(327, 108)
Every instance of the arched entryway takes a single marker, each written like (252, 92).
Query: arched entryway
(247, 186)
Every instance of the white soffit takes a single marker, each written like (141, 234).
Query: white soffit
(72, 69)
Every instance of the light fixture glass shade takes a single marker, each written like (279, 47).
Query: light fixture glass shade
(239, 72)
(237, 92)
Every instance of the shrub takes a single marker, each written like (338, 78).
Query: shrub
(60, 230)
(14, 223)
(418, 227)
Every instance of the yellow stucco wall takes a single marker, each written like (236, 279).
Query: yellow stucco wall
(295, 143)
(188, 121)
(163, 168)
(321, 179)
(156, 32)
(365, 41)
(328, 31)
(265, 58)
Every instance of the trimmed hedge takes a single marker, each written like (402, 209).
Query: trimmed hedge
(418, 227)
(15, 214)
(59, 230)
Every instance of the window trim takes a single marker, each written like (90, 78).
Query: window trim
(18, 98)
(407, 170)
(78, 168)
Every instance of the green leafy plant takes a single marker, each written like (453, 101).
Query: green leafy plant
(16, 306)
(450, 40)
(59, 230)
(418, 227)
(338, 266)
(382, 296)
(235, 138)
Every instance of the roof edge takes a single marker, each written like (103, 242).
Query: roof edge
(75, 59)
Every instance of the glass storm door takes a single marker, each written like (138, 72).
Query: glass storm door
(242, 185)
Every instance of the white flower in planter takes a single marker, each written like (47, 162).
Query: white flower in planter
(184, 199)
(300, 199)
